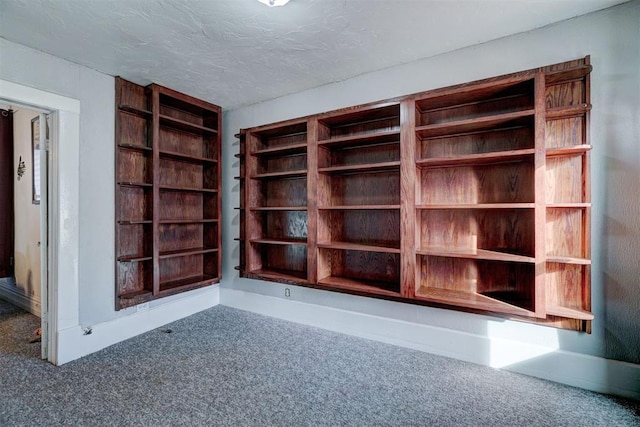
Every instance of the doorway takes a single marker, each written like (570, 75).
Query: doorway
(24, 136)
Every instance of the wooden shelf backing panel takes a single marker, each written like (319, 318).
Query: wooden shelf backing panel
(567, 132)
(498, 183)
(495, 233)
(504, 287)
(281, 225)
(133, 130)
(360, 122)
(478, 159)
(567, 292)
(516, 135)
(135, 204)
(377, 228)
(134, 241)
(366, 266)
(186, 111)
(279, 193)
(180, 174)
(363, 189)
(178, 205)
(179, 268)
(289, 258)
(566, 94)
(278, 137)
(565, 233)
(565, 180)
(134, 278)
(176, 237)
(266, 166)
(188, 144)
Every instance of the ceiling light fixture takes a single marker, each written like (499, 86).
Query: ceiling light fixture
(272, 3)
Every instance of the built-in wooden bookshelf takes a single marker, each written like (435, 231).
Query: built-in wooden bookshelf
(167, 193)
(473, 197)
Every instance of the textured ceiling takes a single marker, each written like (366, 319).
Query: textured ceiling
(239, 52)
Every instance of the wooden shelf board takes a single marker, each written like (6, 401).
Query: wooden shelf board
(470, 125)
(135, 110)
(359, 207)
(358, 285)
(280, 274)
(134, 258)
(281, 150)
(476, 159)
(193, 281)
(135, 221)
(277, 208)
(478, 254)
(572, 313)
(186, 252)
(470, 300)
(357, 247)
(134, 184)
(368, 167)
(479, 206)
(187, 157)
(568, 205)
(568, 151)
(367, 139)
(189, 189)
(136, 294)
(573, 73)
(568, 260)
(286, 174)
(267, 241)
(172, 122)
(568, 111)
(188, 221)
(135, 147)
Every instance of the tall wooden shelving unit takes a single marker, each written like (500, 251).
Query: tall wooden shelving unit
(474, 196)
(167, 193)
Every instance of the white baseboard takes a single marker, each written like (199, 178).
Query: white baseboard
(550, 363)
(73, 343)
(15, 296)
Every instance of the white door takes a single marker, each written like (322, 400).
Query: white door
(45, 131)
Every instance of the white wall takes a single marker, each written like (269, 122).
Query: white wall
(612, 38)
(27, 215)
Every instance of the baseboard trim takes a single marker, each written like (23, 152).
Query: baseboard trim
(74, 343)
(15, 296)
(574, 369)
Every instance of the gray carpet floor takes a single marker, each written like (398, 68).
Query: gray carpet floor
(229, 367)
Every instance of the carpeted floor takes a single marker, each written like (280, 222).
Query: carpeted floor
(228, 367)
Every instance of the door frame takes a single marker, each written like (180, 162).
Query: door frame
(63, 213)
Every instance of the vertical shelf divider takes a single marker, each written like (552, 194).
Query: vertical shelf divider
(408, 198)
(312, 200)
(539, 194)
(155, 145)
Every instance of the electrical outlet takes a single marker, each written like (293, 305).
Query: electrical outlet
(142, 307)
(287, 292)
